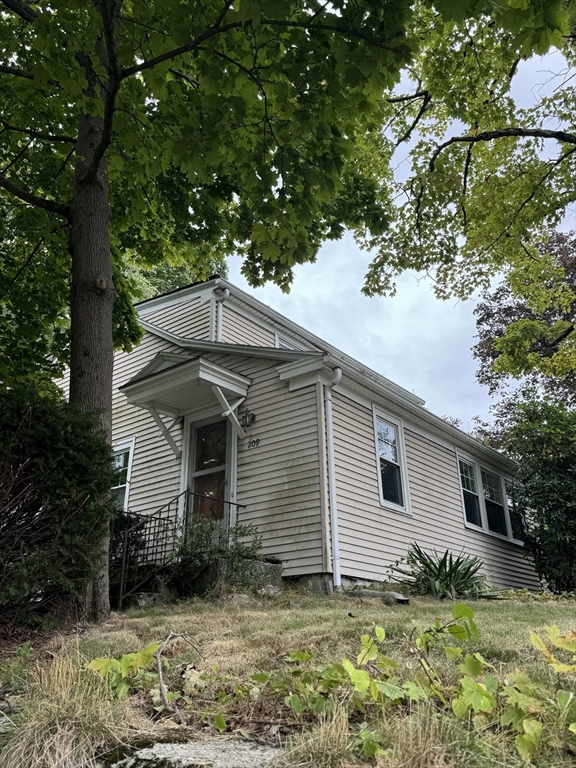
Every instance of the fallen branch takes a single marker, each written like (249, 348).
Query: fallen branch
(163, 690)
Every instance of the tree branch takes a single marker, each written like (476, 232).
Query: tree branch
(408, 97)
(181, 50)
(17, 72)
(538, 133)
(37, 135)
(48, 205)
(194, 83)
(23, 267)
(421, 111)
(217, 29)
(20, 8)
(561, 337)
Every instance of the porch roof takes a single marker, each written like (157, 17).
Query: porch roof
(178, 384)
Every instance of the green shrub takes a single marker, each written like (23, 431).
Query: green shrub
(441, 575)
(211, 557)
(55, 469)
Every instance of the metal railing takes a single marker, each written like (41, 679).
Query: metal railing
(141, 545)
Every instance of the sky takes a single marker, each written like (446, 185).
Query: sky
(416, 340)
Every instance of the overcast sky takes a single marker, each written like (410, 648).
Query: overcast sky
(416, 340)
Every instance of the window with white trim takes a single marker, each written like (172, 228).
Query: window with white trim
(123, 455)
(484, 495)
(391, 466)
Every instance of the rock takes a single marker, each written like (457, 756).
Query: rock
(390, 598)
(215, 753)
(270, 590)
(238, 599)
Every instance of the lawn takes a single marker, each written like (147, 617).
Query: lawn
(238, 638)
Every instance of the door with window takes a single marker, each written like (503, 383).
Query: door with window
(208, 478)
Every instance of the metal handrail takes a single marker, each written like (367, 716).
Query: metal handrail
(160, 519)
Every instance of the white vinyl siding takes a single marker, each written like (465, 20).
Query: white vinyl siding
(190, 319)
(239, 329)
(279, 479)
(372, 537)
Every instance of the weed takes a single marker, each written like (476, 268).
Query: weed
(14, 673)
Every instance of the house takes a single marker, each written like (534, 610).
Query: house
(266, 424)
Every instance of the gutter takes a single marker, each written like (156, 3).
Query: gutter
(335, 540)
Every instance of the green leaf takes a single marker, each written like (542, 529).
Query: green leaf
(452, 652)
(471, 666)
(565, 698)
(458, 632)
(380, 634)
(219, 723)
(462, 611)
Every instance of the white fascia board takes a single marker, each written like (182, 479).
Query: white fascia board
(145, 389)
(457, 437)
(244, 350)
(202, 291)
(284, 322)
(263, 309)
(160, 358)
(301, 367)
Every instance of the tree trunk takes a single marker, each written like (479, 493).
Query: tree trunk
(91, 304)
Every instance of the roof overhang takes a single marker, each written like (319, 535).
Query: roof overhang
(183, 386)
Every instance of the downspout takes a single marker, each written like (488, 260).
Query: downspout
(220, 299)
(332, 482)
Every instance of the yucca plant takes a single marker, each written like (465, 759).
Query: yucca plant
(441, 575)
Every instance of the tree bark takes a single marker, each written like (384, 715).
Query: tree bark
(91, 304)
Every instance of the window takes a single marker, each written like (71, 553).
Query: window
(393, 490)
(123, 453)
(470, 492)
(486, 500)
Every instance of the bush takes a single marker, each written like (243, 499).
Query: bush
(55, 469)
(440, 575)
(541, 436)
(210, 557)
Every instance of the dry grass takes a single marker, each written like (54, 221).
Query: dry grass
(68, 719)
(327, 744)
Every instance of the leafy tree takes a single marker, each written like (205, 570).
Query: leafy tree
(489, 180)
(501, 313)
(540, 435)
(167, 277)
(55, 469)
(148, 131)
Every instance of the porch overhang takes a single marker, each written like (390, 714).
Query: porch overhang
(175, 387)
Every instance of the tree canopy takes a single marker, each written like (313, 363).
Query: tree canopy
(490, 178)
(539, 433)
(251, 127)
(501, 313)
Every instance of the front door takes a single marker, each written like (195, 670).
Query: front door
(208, 471)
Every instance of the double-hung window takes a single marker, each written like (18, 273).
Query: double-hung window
(485, 504)
(391, 465)
(123, 453)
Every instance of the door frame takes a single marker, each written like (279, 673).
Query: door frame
(200, 420)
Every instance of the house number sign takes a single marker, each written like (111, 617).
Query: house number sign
(254, 443)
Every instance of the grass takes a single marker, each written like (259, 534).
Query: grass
(256, 637)
(68, 719)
